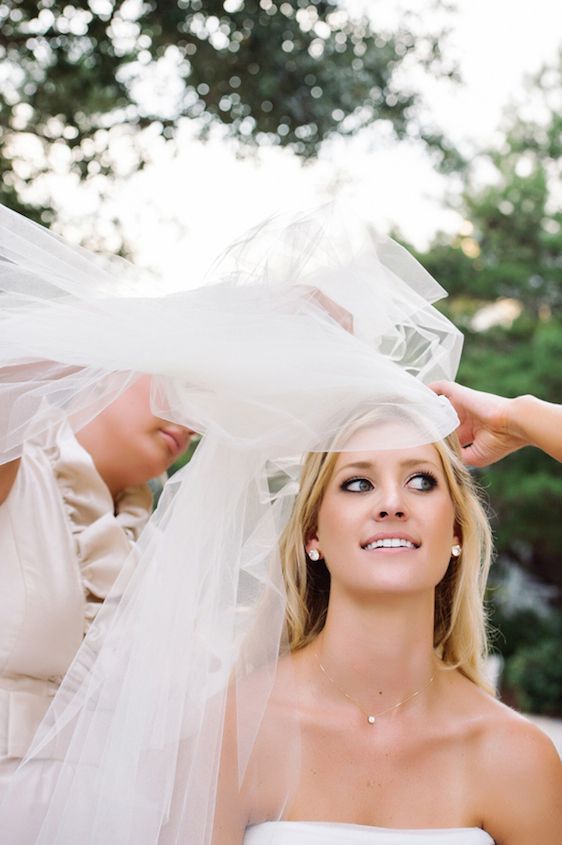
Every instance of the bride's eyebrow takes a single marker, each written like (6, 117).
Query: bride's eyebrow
(356, 465)
(419, 461)
(405, 464)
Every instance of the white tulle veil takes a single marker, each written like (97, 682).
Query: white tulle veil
(302, 326)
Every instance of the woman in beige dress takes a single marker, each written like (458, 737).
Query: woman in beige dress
(71, 510)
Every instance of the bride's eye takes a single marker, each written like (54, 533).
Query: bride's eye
(423, 481)
(357, 485)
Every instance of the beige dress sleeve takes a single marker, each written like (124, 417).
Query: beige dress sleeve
(62, 545)
(103, 531)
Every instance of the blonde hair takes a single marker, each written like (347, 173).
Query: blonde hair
(460, 636)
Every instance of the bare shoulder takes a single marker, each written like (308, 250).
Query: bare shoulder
(261, 734)
(517, 747)
(247, 743)
(505, 744)
(520, 777)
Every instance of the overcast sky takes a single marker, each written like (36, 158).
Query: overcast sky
(180, 212)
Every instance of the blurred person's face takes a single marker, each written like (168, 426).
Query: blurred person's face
(128, 443)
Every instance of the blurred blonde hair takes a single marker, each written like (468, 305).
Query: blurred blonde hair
(460, 637)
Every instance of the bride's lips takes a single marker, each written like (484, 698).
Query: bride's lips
(391, 535)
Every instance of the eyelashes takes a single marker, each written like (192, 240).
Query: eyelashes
(357, 485)
(427, 479)
(422, 482)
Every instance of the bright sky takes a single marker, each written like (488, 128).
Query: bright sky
(181, 212)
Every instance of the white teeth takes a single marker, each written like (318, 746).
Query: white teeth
(390, 543)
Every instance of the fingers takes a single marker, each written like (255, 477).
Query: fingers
(442, 388)
(336, 311)
(455, 393)
(466, 434)
(472, 457)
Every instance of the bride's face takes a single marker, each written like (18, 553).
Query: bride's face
(386, 522)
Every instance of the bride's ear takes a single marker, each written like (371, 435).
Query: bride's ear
(312, 549)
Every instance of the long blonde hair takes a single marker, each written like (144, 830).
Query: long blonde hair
(460, 637)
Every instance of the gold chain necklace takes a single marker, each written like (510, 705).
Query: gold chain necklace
(372, 717)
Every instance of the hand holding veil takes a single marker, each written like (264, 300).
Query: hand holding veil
(130, 750)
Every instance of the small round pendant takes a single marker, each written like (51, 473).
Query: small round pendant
(371, 720)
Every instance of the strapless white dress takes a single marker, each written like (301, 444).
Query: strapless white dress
(332, 833)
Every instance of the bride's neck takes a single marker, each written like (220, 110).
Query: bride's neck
(385, 650)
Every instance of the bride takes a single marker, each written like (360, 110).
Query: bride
(231, 688)
(401, 738)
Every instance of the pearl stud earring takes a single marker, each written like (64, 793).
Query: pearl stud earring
(314, 554)
(456, 550)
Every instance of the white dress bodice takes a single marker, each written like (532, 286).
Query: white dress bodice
(331, 833)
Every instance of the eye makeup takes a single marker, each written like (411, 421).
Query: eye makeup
(424, 482)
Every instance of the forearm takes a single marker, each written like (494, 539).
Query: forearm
(537, 422)
(8, 474)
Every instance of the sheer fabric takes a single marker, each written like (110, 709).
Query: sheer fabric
(60, 554)
(302, 327)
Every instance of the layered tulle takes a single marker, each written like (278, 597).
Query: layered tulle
(301, 328)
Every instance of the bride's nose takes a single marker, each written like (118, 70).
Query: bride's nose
(390, 503)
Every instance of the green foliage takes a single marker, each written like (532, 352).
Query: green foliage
(77, 75)
(184, 459)
(531, 646)
(525, 488)
(512, 632)
(534, 674)
(511, 246)
(519, 241)
(512, 243)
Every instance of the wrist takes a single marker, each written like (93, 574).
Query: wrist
(521, 413)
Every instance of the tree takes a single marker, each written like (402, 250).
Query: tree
(79, 75)
(510, 245)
